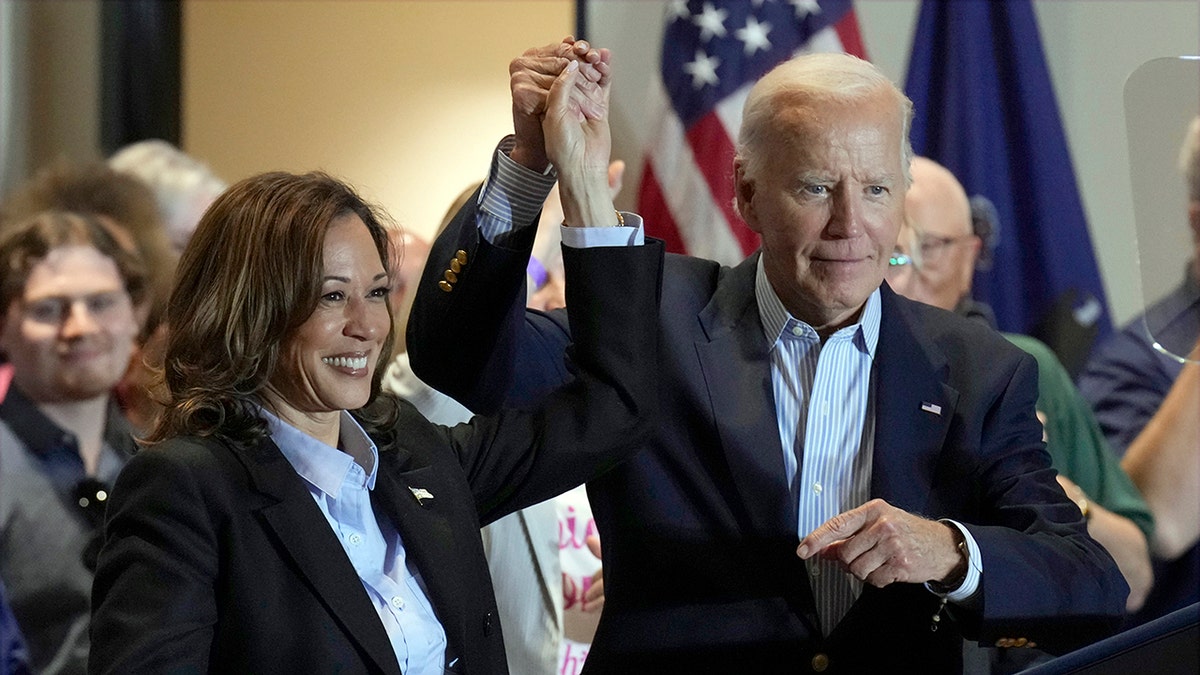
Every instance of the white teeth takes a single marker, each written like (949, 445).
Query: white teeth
(356, 363)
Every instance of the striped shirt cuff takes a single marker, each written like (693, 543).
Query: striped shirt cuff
(511, 196)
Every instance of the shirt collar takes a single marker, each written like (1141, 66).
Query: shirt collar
(323, 465)
(41, 435)
(776, 319)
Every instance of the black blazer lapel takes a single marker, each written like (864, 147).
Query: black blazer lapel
(914, 407)
(735, 361)
(420, 508)
(305, 536)
(736, 368)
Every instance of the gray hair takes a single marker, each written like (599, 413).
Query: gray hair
(1189, 159)
(183, 186)
(815, 78)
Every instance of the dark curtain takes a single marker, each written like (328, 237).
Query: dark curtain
(140, 72)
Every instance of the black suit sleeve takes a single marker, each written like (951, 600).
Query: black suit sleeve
(153, 599)
(469, 334)
(606, 410)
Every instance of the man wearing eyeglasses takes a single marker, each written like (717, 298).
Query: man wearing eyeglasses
(938, 247)
(68, 320)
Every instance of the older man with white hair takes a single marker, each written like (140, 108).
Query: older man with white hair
(841, 480)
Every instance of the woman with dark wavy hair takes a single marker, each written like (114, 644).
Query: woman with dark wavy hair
(286, 516)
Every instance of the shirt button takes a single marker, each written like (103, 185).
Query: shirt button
(797, 331)
(355, 538)
(398, 602)
(816, 570)
(817, 488)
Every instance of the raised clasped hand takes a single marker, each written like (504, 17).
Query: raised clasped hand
(531, 76)
(575, 124)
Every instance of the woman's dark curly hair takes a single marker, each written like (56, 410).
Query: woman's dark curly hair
(249, 277)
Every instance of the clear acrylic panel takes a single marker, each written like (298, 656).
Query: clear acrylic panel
(1162, 98)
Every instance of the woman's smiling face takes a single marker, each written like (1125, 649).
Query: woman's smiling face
(326, 366)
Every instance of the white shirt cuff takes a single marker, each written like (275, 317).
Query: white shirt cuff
(586, 237)
(974, 567)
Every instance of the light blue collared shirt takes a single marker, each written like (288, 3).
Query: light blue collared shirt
(825, 413)
(825, 408)
(342, 488)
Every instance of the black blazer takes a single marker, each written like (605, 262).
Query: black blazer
(217, 558)
(699, 530)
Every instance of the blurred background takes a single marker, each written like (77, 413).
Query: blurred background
(406, 98)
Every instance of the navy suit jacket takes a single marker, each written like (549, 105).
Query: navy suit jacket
(217, 558)
(699, 530)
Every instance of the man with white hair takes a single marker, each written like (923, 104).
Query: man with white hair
(840, 480)
(1148, 402)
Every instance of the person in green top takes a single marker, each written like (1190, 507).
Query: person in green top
(1078, 447)
(935, 263)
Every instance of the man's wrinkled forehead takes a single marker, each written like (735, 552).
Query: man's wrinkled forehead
(798, 110)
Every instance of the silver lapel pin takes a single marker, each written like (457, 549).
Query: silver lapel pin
(421, 494)
(932, 408)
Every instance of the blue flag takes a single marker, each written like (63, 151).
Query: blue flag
(986, 110)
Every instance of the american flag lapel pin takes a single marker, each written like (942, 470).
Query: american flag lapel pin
(931, 408)
(421, 494)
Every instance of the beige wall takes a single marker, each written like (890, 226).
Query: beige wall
(405, 100)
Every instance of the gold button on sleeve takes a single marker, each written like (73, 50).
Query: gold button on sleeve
(455, 265)
(445, 286)
(451, 276)
(461, 256)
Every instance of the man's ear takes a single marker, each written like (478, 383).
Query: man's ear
(743, 190)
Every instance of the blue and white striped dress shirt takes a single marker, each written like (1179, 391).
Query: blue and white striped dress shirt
(826, 427)
(342, 490)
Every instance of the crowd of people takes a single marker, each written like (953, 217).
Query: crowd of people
(260, 427)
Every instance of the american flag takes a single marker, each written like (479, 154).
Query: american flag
(713, 51)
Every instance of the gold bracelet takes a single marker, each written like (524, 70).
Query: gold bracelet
(620, 220)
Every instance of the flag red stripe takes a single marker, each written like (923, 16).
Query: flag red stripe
(714, 150)
(851, 37)
(652, 206)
